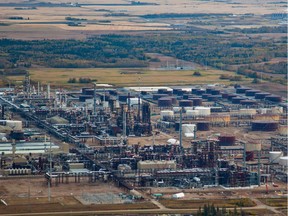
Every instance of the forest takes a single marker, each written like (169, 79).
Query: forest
(223, 51)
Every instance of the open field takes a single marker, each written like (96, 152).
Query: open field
(275, 202)
(118, 76)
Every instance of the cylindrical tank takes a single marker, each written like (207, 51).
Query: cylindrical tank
(205, 96)
(274, 157)
(224, 95)
(200, 92)
(273, 98)
(226, 140)
(216, 109)
(176, 90)
(249, 156)
(164, 102)
(237, 100)
(267, 117)
(17, 135)
(253, 147)
(209, 90)
(242, 90)
(162, 91)
(194, 91)
(251, 92)
(203, 111)
(215, 92)
(196, 101)
(83, 98)
(261, 95)
(15, 125)
(248, 102)
(186, 96)
(185, 103)
(177, 126)
(214, 97)
(134, 101)
(277, 110)
(203, 126)
(283, 161)
(166, 114)
(177, 109)
(264, 126)
(230, 96)
(247, 111)
(192, 113)
(157, 96)
(181, 92)
(283, 130)
(188, 128)
(88, 91)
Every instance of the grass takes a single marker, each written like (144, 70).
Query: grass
(60, 76)
(274, 202)
(227, 203)
(259, 212)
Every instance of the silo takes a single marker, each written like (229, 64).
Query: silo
(196, 101)
(273, 98)
(274, 156)
(264, 126)
(261, 95)
(164, 102)
(251, 92)
(185, 103)
(226, 140)
(203, 126)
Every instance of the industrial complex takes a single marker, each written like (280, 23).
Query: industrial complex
(139, 138)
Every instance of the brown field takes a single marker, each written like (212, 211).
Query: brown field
(50, 23)
(275, 202)
(115, 77)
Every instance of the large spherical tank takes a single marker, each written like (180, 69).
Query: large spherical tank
(203, 111)
(83, 98)
(230, 96)
(205, 96)
(248, 102)
(283, 161)
(274, 157)
(215, 92)
(273, 98)
(214, 97)
(242, 90)
(226, 140)
(185, 103)
(264, 126)
(157, 96)
(261, 95)
(164, 102)
(196, 101)
(203, 126)
(166, 114)
(237, 100)
(249, 156)
(251, 92)
(200, 92)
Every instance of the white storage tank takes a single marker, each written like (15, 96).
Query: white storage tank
(264, 110)
(177, 109)
(134, 101)
(274, 157)
(284, 161)
(188, 108)
(188, 130)
(203, 111)
(247, 111)
(192, 113)
(15, 125)
(277, 110)
(166, 114)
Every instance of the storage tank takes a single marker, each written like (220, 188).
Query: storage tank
(177, 109)
(176, 90)
(274, 156)
(224, 95)
(188, 130)
(164, 102)
(209, 90)
(205, 96)
(264, 126)
(15, 125)
(226, 140)
(267, 117)
(277, 110)
(251, 92)
(242, 90)
(249, 156)
(251, 147)
(88, 91)
(186, 96)
(158, 96)
(134, 101)
(194, 91)
(192, 113)
(284, 161)
(214, 97)
(196, 101)
(166, 114)
(248, 102)
(203, 126)
(203, 111)
(247, 111)
(185, 103)
(273, 98)
(216, 109)
(162, 91)
(237, 100)
(261, 95)
(283, 130)
(215, 92)
(230, 96)
(200, 92)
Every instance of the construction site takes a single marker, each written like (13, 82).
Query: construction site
(106, 145)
